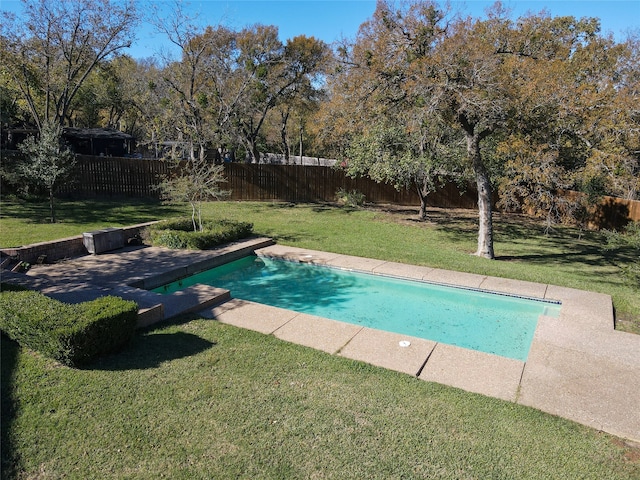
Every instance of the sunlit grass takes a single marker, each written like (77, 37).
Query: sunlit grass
(199, 399)
(25, 222)
(566, 256)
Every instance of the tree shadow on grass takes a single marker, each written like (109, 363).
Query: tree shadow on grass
(82, 211)
(280, 205)
(9, 464)
(564, 247)
(282, 237)
(587, 256)
(143, 352)
(335, 207)
(147, 350)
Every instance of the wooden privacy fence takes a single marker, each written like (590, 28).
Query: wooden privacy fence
(610, 212)
(298, 183)
(133, 177)
(108, 176)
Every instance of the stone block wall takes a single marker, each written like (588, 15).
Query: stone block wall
(60, 249)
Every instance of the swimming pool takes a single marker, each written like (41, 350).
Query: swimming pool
(475, 319)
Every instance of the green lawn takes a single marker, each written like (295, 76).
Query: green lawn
(566, 256)
(197, 399)
(200, 400)
(25, 222)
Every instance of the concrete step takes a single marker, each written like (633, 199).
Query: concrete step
(193, 299)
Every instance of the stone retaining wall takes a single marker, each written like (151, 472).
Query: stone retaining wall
(63, 248)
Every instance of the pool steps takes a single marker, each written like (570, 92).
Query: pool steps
(91, 276)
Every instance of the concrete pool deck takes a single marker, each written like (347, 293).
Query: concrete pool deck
(578, 367)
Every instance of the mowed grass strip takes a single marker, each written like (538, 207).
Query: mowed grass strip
(196, 399)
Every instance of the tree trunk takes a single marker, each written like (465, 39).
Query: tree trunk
(423, 192)
(483, 183)
(51, 206)
(283, 135)
(255, 153)
(252, 148)
(301, 131)
(193, 216)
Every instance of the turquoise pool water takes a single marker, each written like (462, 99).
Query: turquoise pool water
(488, 322)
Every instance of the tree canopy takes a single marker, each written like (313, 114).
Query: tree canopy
(546, 100)
(49, 53)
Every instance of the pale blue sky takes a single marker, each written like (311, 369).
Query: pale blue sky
(329, 20)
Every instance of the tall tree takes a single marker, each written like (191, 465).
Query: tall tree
(52, 49)
(488, 78)
(611, 108)
(260, 66)
(392, 137)
(573, 126)
(107, 97)
(274, 74)
(47, 162)
(459, 67)
(306, 61)
(192, 97)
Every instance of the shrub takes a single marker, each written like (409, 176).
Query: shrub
(629, 237)
(73, 334)
(182, 224)
(351, 198)
(169, 238)
(178, 233)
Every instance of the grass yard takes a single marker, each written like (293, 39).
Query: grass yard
(24, 222)
(200, 400)
(197, 399)
(566, 256)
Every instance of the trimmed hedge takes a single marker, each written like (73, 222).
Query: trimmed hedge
(72, 334)
(178, 233)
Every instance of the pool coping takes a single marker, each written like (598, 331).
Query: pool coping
(578, 368)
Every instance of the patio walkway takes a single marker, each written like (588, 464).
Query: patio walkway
(578, 367)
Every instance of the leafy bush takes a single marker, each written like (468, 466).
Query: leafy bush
(632, 273)
(169, 238)
(629, 237)
(183, 224)
(178, 233)
(73, 334)
(351, 198)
